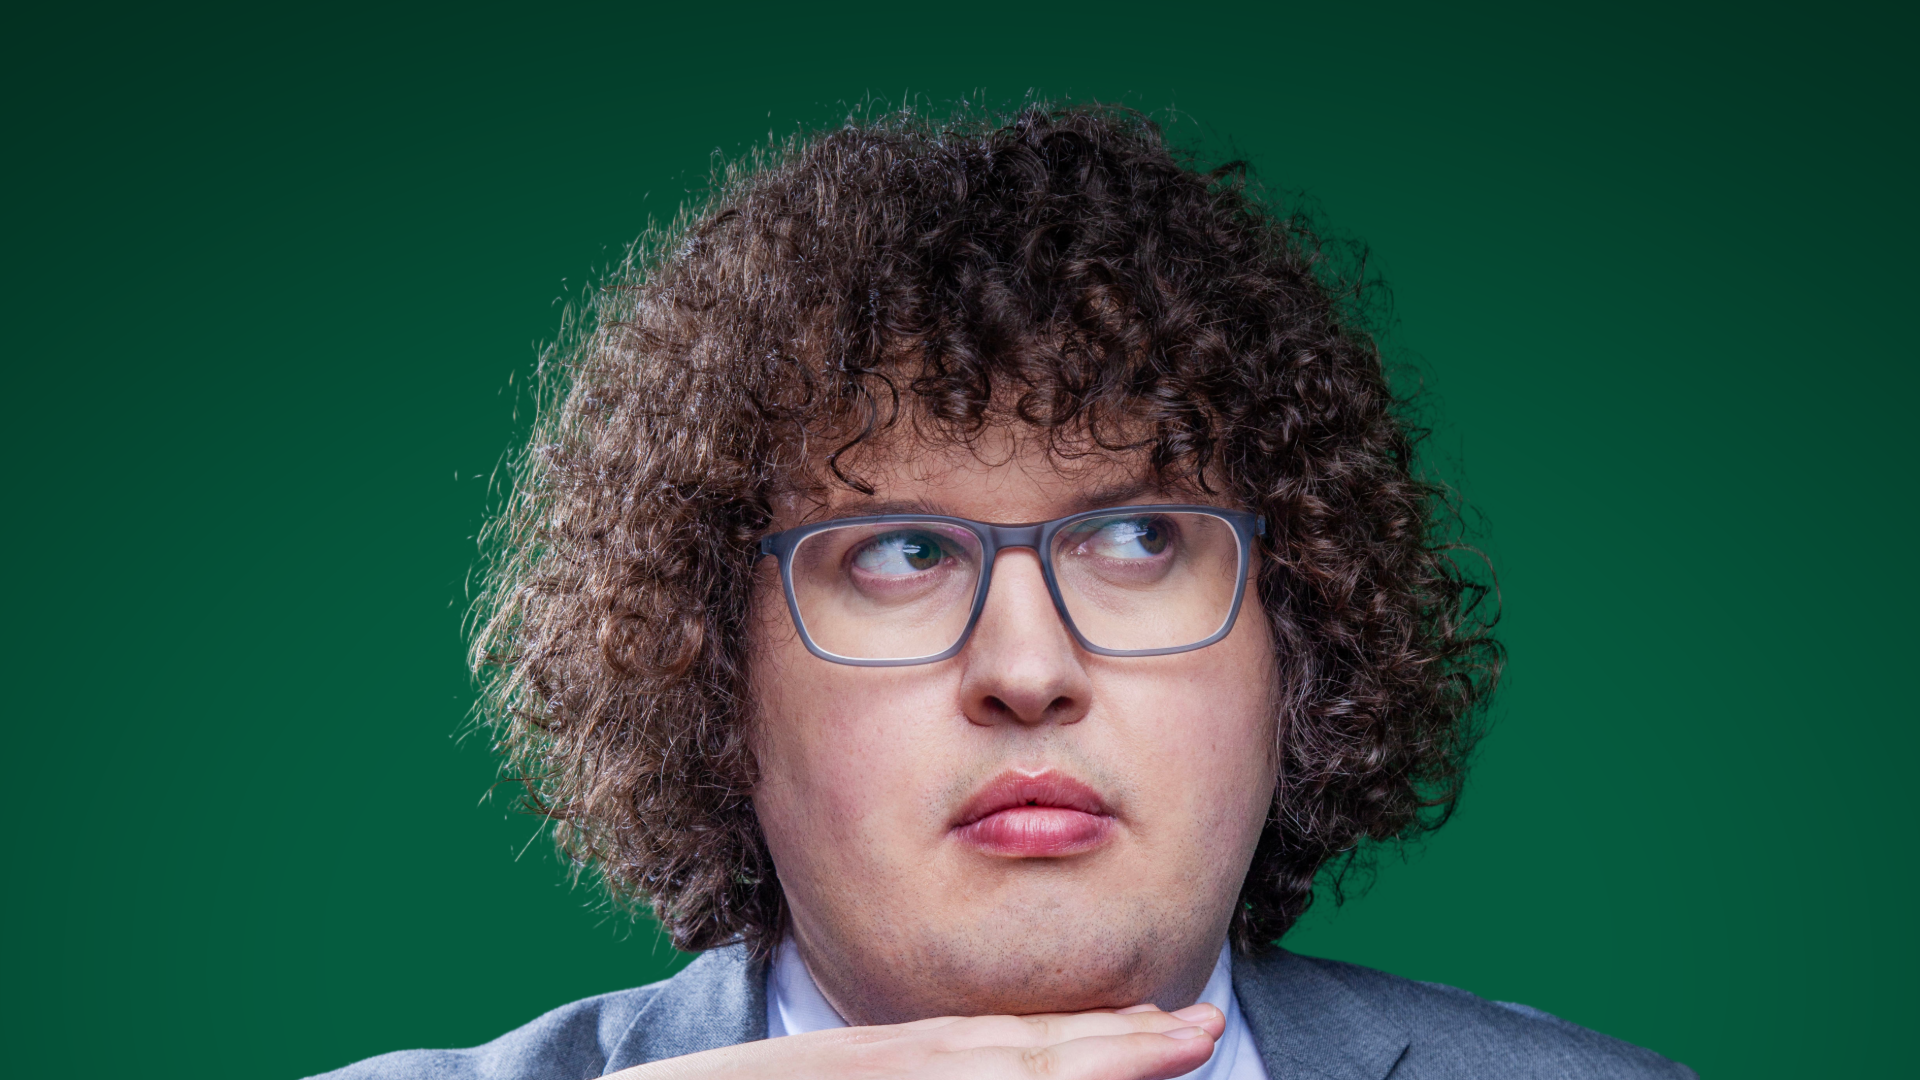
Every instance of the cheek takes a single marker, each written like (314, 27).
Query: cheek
(841, 760)
(1207, 726)
(1247, 691)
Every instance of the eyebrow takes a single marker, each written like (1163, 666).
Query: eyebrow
(1119, 494)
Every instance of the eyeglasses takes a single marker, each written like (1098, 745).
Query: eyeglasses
(898, 589)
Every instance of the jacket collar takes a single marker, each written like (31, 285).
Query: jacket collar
(718, 1000)
(1309, 1024)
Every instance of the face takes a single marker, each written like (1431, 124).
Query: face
(1027, 826)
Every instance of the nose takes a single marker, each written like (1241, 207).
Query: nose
(1021, 664)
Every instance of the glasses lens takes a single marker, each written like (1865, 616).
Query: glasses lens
(1148, 581)
(893, 591)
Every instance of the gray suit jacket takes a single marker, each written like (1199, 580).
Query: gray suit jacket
(1312, 1019)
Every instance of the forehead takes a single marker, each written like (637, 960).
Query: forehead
(1005, 475)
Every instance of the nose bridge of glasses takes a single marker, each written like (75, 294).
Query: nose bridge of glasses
(1015, 536)
(1008, 537)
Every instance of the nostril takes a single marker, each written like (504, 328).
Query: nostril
(993, 708)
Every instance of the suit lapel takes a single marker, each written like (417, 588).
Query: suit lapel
(718, 1000)
(1309, 1024)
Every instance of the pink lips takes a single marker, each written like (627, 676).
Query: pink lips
(1046, 815)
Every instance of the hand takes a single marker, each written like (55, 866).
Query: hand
(1141, 1043)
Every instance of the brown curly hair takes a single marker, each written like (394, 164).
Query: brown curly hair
(1063, 268)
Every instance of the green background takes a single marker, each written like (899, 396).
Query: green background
(269, 270)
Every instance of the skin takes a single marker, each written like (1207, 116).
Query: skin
(951, 960)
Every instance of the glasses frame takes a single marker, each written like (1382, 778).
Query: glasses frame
(994, 539)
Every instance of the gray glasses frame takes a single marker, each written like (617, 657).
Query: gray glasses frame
(996, 538)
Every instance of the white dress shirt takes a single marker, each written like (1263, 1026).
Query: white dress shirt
(795, 1006)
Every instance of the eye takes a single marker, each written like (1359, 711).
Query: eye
(900, 553)
(1128, 538)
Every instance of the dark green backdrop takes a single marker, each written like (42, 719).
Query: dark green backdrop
(269, 271)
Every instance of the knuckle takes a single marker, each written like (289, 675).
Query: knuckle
(1040, 1061)
(1038, 1027)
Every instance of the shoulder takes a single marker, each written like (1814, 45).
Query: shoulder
(570, 1042)
(717, 1000)
(1316, 1012)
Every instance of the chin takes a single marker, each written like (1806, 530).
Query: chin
(1049, 993)
(1028, 966)
(1022, 938)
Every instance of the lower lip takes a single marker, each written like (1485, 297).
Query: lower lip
(1037, 832)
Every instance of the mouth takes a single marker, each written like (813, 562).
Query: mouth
(1043, 815)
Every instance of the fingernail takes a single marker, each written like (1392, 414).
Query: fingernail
(1185, 1033)
(1196, 1012)
(1148, 1007)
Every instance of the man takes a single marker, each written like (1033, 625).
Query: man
(972, 581)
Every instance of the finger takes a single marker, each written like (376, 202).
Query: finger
(1204, 1016)
(1136, 1056)
(1061, 1027)
(930, 1023)
(1049, 1029)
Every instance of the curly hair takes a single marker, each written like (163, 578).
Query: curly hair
(1062, 268)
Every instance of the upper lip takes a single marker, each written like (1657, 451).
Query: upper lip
(1047, 787)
